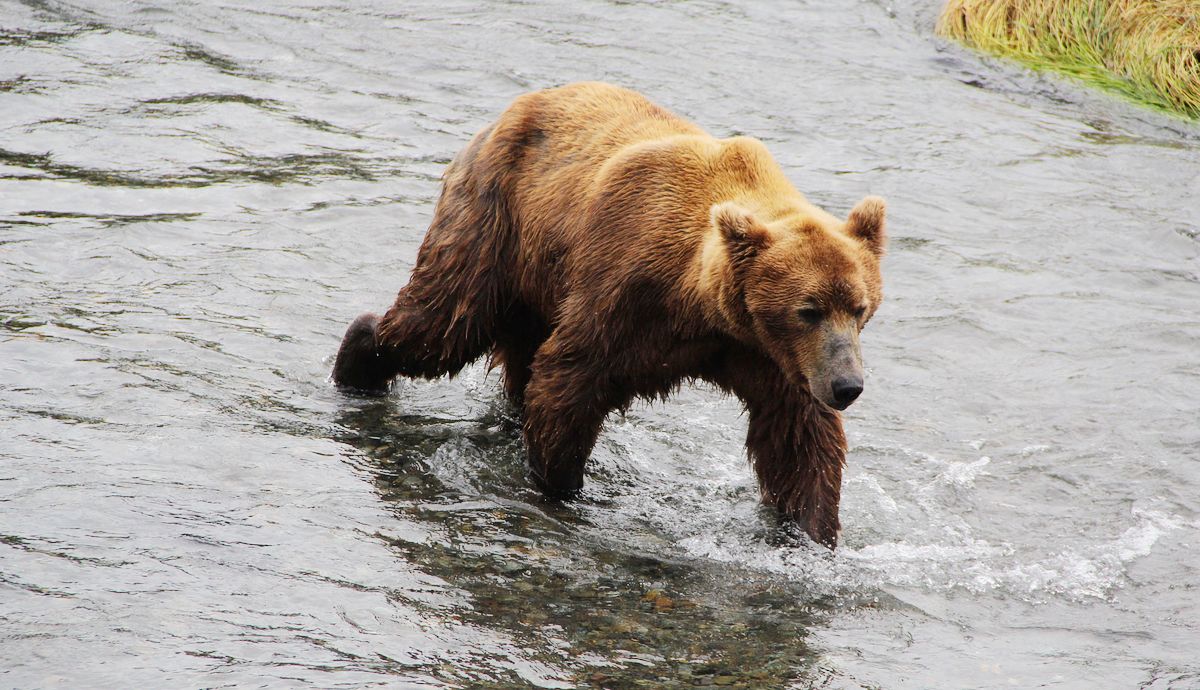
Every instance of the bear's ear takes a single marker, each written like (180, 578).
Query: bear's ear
(739, 229)
(866, 224)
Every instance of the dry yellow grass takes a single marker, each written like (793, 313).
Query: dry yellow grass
(1148, 50)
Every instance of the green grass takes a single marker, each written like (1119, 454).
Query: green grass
(1146, 50)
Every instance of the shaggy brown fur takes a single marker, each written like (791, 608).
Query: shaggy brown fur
(602, 249)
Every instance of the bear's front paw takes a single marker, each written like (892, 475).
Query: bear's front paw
(360, 366)
(560, 484)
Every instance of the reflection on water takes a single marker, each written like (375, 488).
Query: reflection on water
(195, 200)
(638, 617)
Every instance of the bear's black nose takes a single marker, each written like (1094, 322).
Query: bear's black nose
(846, 390)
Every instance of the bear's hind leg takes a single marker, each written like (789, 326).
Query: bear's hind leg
(520, 336)
(409, 340)
(516, 361)
(360, 365)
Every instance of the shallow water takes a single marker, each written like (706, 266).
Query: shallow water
(196, 198)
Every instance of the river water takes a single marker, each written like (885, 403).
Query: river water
(197, 197)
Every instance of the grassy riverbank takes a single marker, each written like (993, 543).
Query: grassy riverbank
(1147, 50)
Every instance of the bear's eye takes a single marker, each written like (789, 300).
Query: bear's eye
(860, 313)
(810, 314)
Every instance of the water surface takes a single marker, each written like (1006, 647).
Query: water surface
(196, 198)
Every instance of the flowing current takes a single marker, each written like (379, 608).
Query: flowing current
(197, 197)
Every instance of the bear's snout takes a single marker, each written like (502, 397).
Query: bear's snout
(838, 377)
(846, 390)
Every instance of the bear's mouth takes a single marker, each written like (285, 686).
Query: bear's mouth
(837, 406)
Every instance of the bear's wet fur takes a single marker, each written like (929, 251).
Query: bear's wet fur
(601, 249)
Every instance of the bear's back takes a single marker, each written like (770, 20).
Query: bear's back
(594, 147)
(589, 179)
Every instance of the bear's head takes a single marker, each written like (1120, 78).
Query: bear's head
(802, 289)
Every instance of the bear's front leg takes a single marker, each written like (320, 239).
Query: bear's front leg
(798, 450)
(565, 406)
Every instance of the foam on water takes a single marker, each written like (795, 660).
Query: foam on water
(693, 489)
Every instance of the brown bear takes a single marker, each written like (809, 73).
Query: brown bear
(601, 249)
